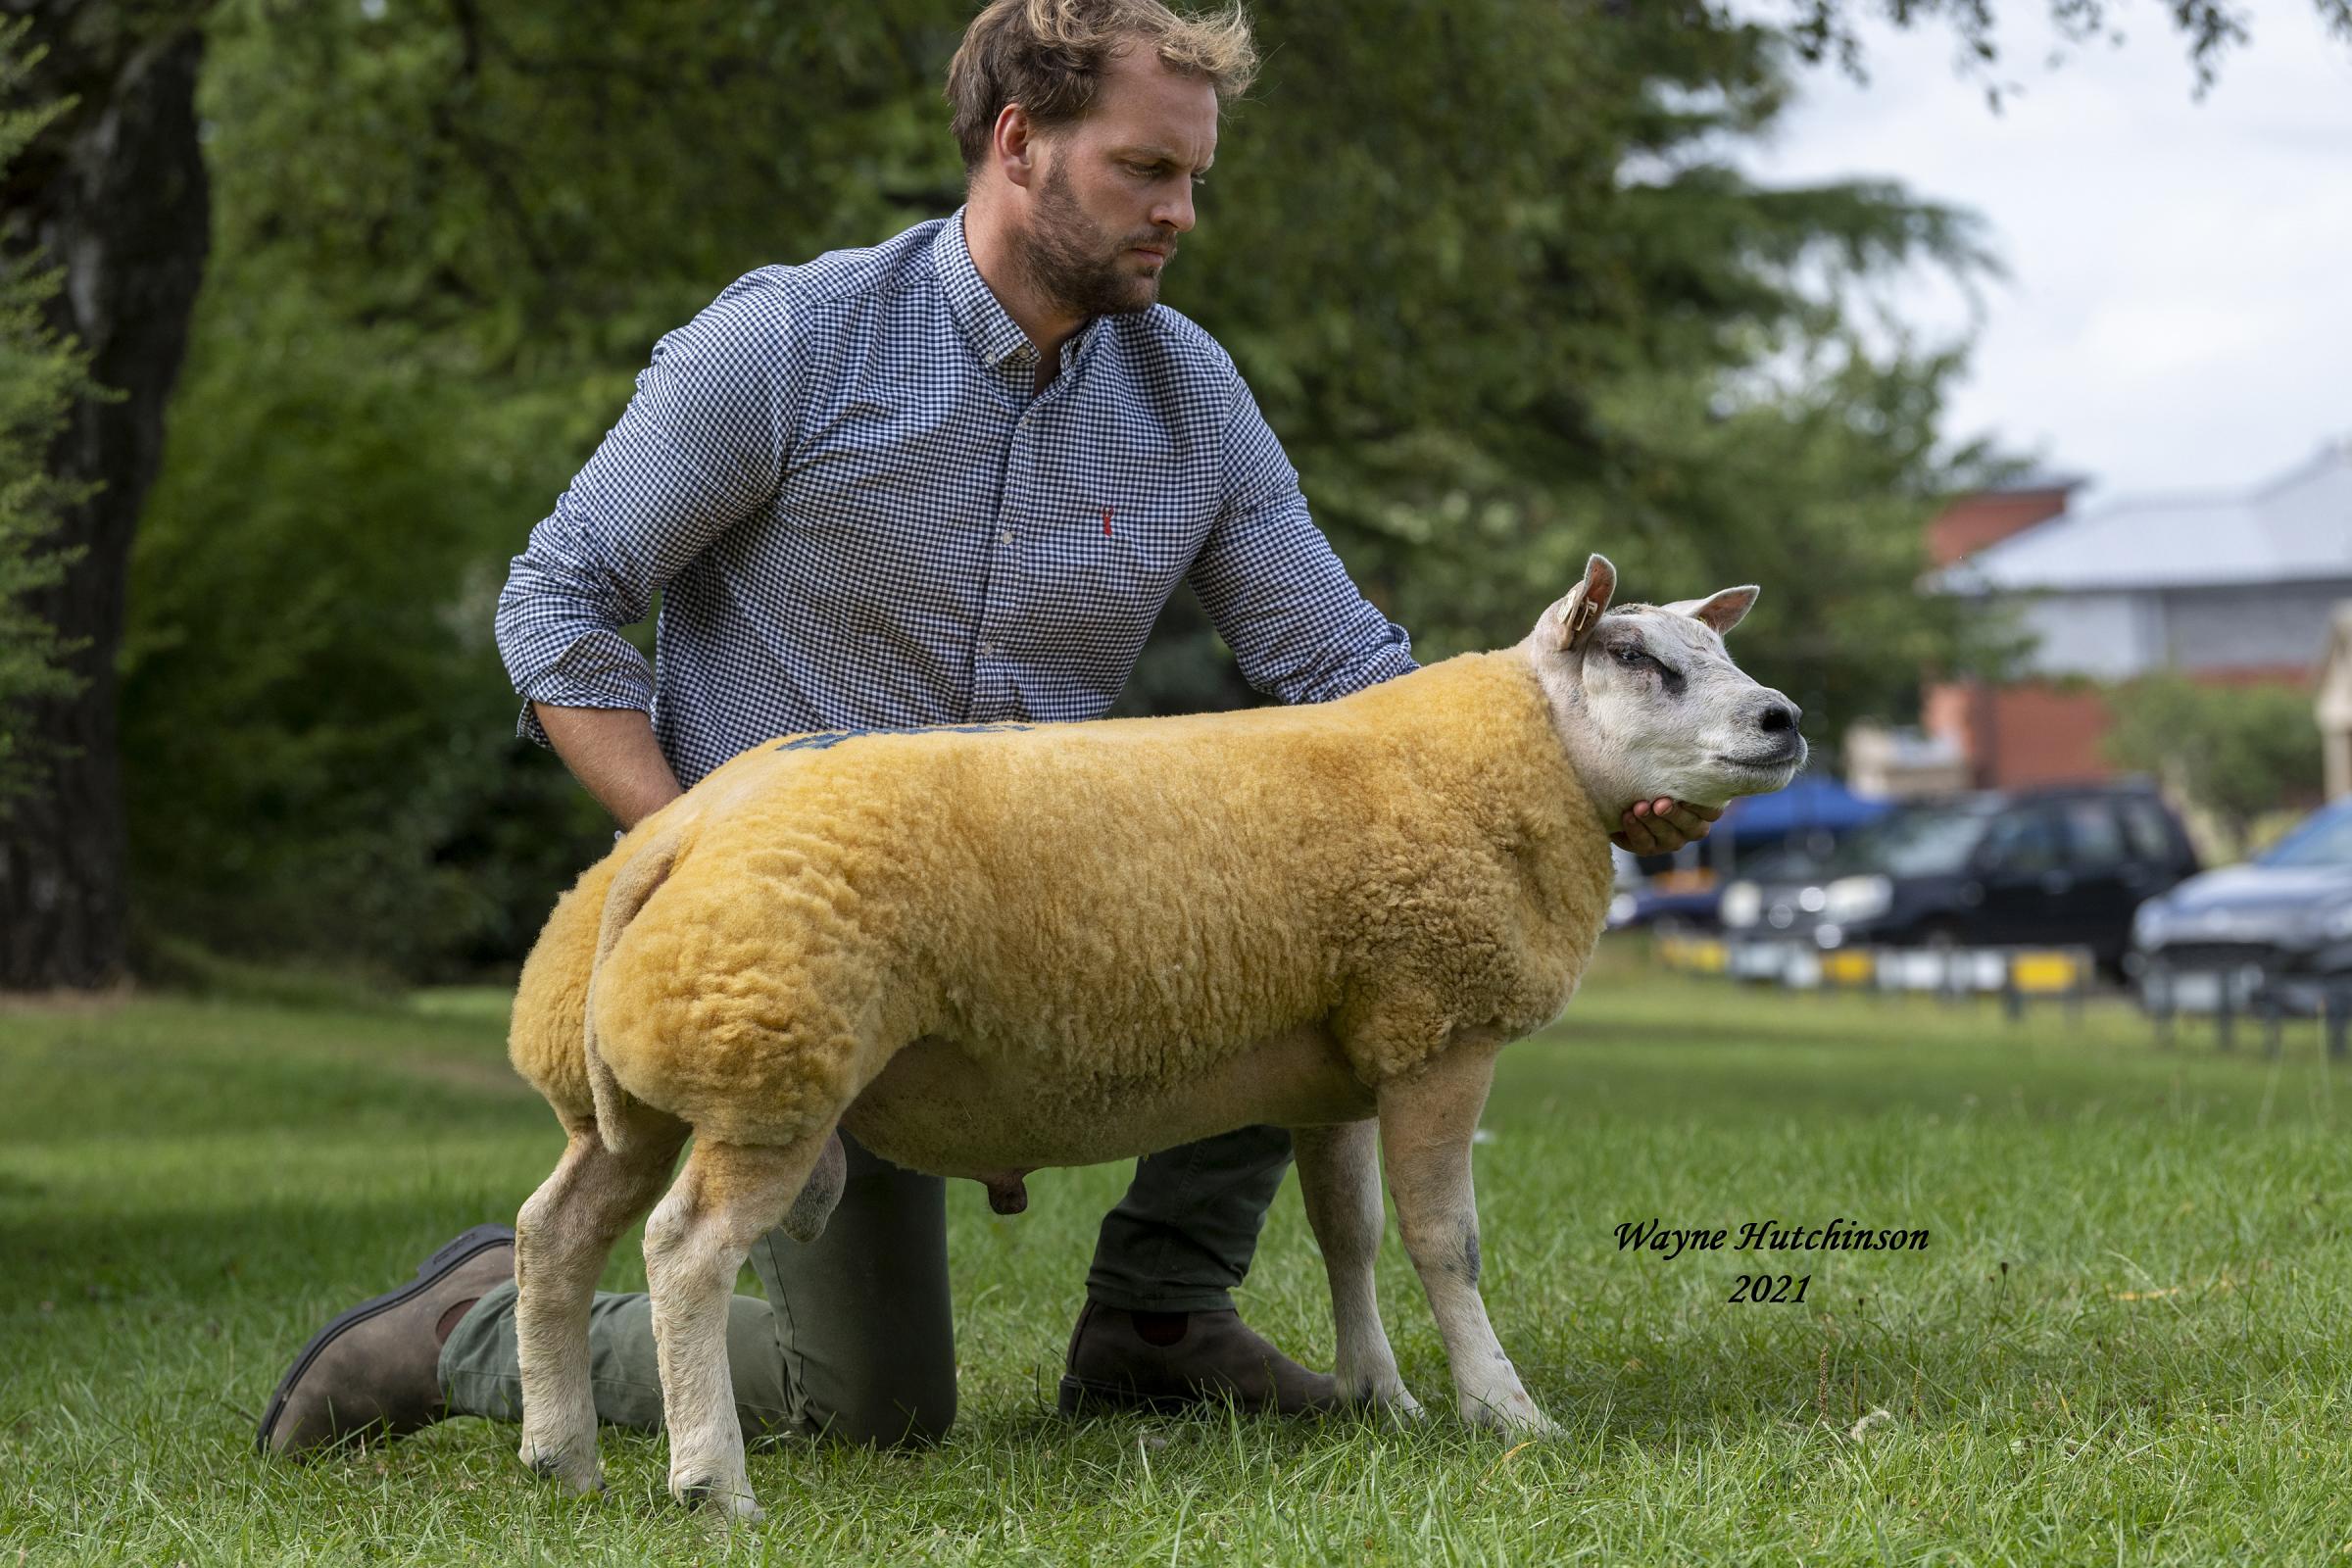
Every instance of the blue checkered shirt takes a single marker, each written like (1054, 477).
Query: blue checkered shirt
(859, 517)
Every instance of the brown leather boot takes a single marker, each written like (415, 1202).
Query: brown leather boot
(1168, 1360)
(375, 1369)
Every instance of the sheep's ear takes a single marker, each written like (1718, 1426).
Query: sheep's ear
(1569, 623)
(1722, 610)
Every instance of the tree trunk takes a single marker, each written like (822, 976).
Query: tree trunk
(116, 192)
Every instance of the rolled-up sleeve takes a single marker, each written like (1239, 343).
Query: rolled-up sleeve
(702, 445)
(1273, 586)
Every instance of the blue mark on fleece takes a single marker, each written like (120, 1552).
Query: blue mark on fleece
(833, 738)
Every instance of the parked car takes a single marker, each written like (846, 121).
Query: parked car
(1674, 901)
(2284, 920)
(2063, 866)
(1678, 901)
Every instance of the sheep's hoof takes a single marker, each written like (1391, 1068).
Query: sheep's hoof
(1394, 1404)
(726, 1503)
(1517, 1419)
(582, 1477)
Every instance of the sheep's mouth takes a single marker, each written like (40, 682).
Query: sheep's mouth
(1770, 761)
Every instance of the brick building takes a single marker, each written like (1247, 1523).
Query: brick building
(2234, 588)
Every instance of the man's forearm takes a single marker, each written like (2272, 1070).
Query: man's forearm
(612, 753)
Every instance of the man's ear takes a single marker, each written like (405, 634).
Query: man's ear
(1722, 610)
(1014, 145)
(1569, 623)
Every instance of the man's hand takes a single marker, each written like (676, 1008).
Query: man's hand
(1663, 826)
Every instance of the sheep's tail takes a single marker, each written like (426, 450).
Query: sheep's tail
(630, 888)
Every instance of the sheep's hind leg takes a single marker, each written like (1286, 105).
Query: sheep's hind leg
(696, 1241)
(1339, 1179)
(1425, 1128)
(561, 1239)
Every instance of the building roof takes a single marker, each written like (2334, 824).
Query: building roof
(2297, 528)
(2039, 482)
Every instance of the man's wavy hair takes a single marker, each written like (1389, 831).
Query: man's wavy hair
(1049, 56)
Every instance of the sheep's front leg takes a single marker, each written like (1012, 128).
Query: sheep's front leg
(1425, 1129)
(727, 1198)
(1339, 1178)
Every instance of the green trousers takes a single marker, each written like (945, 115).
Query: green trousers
(856, 1338)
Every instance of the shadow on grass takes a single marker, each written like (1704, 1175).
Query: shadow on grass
(220, 1255)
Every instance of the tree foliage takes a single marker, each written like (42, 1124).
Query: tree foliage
(1488, 267)
(41, 377)
(2237, 752)
(1826, 30)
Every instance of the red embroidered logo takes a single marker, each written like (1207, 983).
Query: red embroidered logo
(1105, 522)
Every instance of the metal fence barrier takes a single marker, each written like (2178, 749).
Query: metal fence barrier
(2227, 994)
(2023, 975)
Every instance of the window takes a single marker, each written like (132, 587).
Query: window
(2024, 843)
(2094, 836)
(2325, 838)
(1924, 841)
(2145, 827)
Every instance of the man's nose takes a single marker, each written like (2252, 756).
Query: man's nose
(1176, 211)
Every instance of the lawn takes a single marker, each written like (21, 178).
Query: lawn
(2126, 1341)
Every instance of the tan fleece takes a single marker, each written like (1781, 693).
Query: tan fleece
(1096, 916)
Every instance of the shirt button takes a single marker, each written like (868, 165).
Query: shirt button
(1005, 537)
(987, 650)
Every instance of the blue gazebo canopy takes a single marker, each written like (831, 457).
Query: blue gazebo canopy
(1813, 802)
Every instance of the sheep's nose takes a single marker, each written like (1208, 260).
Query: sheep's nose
(1779, 717)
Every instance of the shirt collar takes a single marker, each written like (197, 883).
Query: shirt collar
(981, 316)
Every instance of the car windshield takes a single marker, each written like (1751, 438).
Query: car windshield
(1781, 863)
(2326, 839)
(1914, 842)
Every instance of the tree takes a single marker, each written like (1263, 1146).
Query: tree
(113, 189)
(41, 377)
(2237, 752)
(1825, 28)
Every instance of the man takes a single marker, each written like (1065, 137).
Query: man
(954, 478)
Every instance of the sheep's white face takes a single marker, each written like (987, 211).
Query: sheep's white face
(1649, 704)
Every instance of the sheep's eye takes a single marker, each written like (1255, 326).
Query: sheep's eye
(1630, 655)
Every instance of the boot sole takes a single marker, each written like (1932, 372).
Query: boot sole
(1079, 1398)
(473, 1244)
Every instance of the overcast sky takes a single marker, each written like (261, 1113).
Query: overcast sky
(2178, 310)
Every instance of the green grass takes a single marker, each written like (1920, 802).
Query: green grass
(2128, 1342)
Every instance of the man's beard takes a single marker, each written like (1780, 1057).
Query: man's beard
(1067, 261)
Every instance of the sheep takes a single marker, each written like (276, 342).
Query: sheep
(988, 949)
